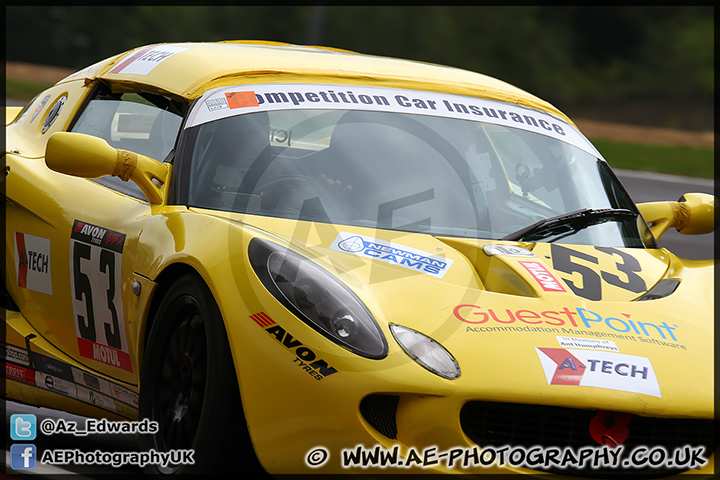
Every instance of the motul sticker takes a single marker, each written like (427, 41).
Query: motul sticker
(539, 272)
(588, 368)
(32, 263)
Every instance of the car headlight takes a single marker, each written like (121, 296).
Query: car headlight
(318, 298)
(426, 351)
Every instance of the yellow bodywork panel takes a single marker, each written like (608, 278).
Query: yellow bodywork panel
(578, 327)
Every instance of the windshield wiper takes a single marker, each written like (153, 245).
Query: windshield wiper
(573, 221)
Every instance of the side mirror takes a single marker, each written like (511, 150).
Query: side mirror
(92, 157)
(693, 214)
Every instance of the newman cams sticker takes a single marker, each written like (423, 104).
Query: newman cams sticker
(95, 267)
(394, 254)
(588, 368)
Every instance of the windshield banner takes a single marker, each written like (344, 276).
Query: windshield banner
(240, 99)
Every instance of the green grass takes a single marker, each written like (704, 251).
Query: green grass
(676, 160)
(23, 89)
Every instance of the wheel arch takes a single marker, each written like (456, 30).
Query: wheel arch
(172, 273)
(163, 282)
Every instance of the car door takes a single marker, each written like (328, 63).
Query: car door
(74, 240)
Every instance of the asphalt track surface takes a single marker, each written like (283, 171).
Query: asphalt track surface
(643, 187)
(653, 187)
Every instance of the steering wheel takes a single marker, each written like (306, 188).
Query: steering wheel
(287, 193)
(433, 140)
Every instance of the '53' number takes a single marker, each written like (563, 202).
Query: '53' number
(101, 271)
(591, 280)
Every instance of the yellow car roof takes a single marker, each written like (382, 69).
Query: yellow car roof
(193, 68)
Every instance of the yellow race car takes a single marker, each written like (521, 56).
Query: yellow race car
(327, 262)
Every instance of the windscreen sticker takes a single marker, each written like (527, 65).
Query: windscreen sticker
(146, 59)
(32, 263)
(394, 254)
(95, 269)
(613, 371)
(228, 101)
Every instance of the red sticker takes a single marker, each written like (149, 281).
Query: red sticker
(16, 372)
(241, 99)
(543, 276)
(22, 255)
(569, 369)
(262, 319)
(102, 353)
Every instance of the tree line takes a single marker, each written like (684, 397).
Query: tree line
(569, 55)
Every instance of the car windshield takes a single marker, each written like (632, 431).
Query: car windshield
(442, 174)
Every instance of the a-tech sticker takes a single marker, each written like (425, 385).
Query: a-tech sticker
(588, 368)
(32, 263)
(146, 59)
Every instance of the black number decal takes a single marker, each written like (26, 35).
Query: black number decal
(591, 281)
(629, 266)
(83, 285)
(83, 288)
(107, 259)
(562, 261)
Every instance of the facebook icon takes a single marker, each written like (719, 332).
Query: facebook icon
(23, 456)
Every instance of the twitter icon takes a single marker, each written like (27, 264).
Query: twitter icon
(23, 426)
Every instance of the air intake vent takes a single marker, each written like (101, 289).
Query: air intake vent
(663, 288)
(379, 411)
(520, 425)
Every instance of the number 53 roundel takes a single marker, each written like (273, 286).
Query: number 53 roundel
(95, 264)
